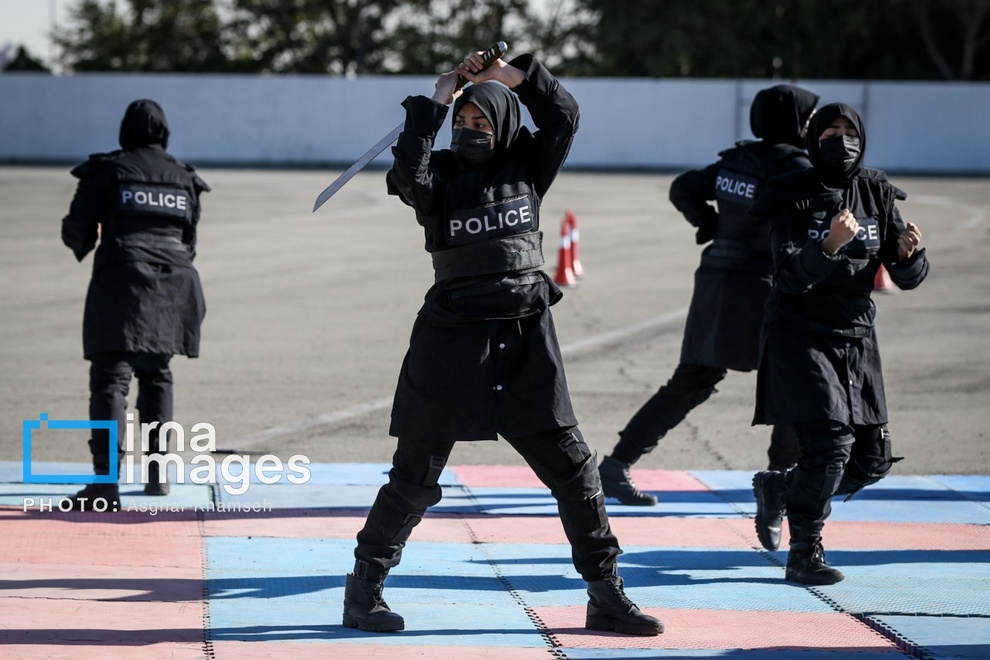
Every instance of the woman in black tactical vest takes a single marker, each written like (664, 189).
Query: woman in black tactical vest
(731, 284)
(483, 358)
(831, 228)
(145, 303)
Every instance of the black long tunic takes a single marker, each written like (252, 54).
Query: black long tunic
(483, 357)
(821, 359)
(145, 295)
(732, 282)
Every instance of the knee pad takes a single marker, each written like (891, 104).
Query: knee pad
(389, 527)
(415, 496)
(869, 464)
(392, 518)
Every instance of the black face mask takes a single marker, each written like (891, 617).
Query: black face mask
(471, 147)
(840, 152)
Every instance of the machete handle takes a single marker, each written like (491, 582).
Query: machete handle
(489, 57)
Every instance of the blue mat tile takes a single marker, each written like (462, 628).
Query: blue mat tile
(427, 624)
(733, 654)
(456, 499)
(870, 509)
(262, 555)
(292, 589)
(942, 636)
(13, 471)
(294, 496)
(678, 578)
(131, 496)
(327, 495)
(341, 474)
(921, 582)
(227, 555)
(898, 498)
(974, 486)
(732, 485)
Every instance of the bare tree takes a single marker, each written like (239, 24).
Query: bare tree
(972, 33)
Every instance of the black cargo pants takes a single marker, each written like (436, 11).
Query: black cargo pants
(560, 458)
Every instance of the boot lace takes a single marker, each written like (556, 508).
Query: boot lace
(616, 585)
(377, 589)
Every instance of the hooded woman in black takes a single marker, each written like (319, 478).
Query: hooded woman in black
(730, 286)
(831, 228)
(483, 357)
(145, 302)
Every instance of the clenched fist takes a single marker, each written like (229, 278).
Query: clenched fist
(908, 241)
(841, 230)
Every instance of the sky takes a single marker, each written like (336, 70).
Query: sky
(28, 22)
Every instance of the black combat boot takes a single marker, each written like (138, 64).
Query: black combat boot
(86, 499)
(156, 485)
(364, 607)
(806, 565)
(610, 609)
(770, 489)
(617, 483)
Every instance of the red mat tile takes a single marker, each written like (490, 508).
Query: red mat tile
(97, 629)
(280, 650)
(905, 536)
(856, 535)
(99, 539)
(287, 523)
(139, 522)
(684, 532)
(721, 629)
(100, 582)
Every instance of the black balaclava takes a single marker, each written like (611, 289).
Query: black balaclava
(143, 124)
(499, 106)
(778, 114)
(836, 174)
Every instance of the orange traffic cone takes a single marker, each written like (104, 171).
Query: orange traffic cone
(882, 281)
(565, 257)
(575, 243)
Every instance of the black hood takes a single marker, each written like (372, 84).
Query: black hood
(143, 124)
(499, 105)
(779, 113)
(822, 120)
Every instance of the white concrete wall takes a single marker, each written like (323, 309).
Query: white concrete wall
(319, 120)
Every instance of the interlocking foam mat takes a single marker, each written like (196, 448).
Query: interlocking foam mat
(227, 572)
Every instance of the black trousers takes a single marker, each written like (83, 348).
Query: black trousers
(560, 458)
(110, 377)
(836, 459)
(689, 387)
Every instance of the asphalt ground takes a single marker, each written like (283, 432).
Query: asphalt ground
(309, 317)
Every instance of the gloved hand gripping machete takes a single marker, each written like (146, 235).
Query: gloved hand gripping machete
(489, 56)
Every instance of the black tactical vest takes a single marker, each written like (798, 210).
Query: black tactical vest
(744, 174)
(155, 198)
